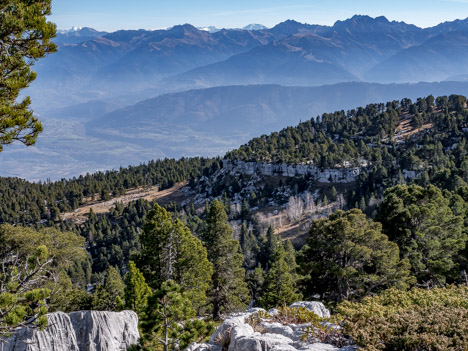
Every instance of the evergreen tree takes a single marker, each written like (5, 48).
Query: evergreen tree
(428, 233)
(249, 247)
(333, 193)
(170, 252)
(109, 295)
(255, 281)
(348, 257)
(25, 37)
(269, 247)
(169, 322)
(31, 264)
(228, 290)
(290, 258)
(280, 285)
(136, 290)
(245, 210)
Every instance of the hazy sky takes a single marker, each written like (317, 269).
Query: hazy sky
(152, 14)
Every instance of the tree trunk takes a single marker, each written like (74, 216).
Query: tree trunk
(166, 331)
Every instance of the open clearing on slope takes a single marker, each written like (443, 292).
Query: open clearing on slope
(174, 194)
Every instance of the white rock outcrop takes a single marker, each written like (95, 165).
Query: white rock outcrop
(328, 175)
(79, 331)
(234, 334)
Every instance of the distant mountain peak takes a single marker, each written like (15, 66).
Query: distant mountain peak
(71, 30)
(255, 26)
(290, 27)
(209, 29)
(289, 22)
(184, 29)
(368, 23)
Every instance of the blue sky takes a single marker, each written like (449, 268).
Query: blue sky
(110, 15)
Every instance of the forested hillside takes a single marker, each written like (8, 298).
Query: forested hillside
(29, 203)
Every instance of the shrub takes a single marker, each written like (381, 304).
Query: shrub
(418, 319)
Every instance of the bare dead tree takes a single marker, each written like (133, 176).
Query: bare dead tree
(295, 208)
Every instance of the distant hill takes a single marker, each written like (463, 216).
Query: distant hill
(236, 113)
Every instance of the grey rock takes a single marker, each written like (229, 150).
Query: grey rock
(319, 347)
(278, 328)
(273, 312)
(283, 348)
(79, 331)
(349, 348)
(261, 342)
(268, 340)
(222, 335)
(248, 344)
(341, 174)
(317, 307)
(203, 347)
(237, 333)
(255, 310)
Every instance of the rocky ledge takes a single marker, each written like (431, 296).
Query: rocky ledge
(79, 331)
(234, 334)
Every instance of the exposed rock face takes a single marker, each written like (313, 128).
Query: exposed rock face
(317, 307)
(236, 335)
(80, 331)
(332, 175)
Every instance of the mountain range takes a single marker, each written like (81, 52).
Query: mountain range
(111, 99)
(139, 64)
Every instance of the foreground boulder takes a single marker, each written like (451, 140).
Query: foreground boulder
(80, 331)
(234, 334)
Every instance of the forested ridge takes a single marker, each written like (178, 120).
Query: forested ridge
(28, 203)
(372, 134)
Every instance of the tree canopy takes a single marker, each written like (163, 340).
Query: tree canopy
(228, 290)
(25, 37)
(348, 257)
(169, 251)
(422, 223)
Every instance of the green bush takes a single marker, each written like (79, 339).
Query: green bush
(418, 319)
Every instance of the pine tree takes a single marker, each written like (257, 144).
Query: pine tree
(169, 321)
(249, 247)
(333, 193)
(25, 37)
(245, 210)
(136, 290)
(348, 257)
(170, 251)
(108, 296)
(290, 257)
(269, 247)
(425, 228)
(280, 285)
(228, 290)
(255, 280)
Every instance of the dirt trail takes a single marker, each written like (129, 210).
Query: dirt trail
(150, 194)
